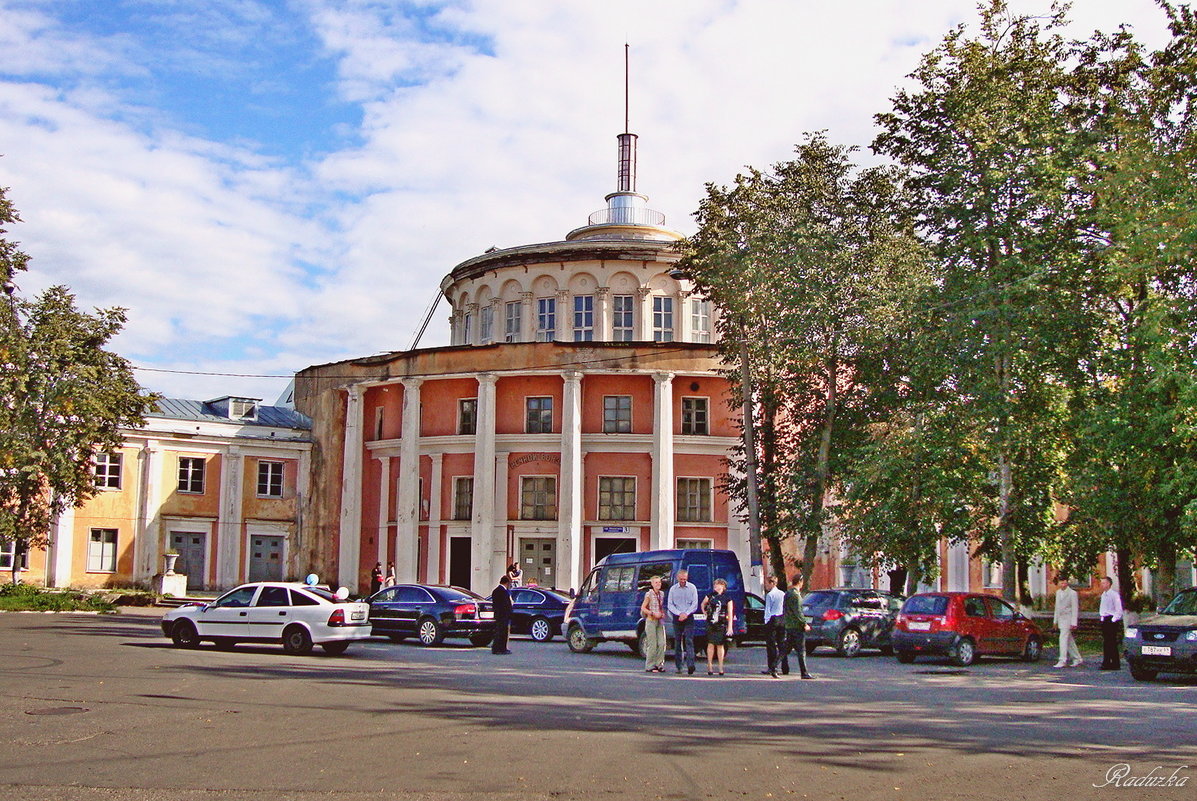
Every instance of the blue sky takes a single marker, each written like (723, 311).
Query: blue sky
(269, 185)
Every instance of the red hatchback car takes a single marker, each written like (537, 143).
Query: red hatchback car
(963, 626)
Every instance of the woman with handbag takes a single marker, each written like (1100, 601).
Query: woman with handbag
(652, 609)
(721, 614)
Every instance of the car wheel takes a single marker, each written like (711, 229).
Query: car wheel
(1139, 673)
(578, 642)
(906, 657)
(541, 629)
(849, 643)
(397, 637)
(430, 632)
(1032, 650)
(335, 648)
(965, 653)
(296, 640)
(184, 635)
(810, 647)
(479, 640)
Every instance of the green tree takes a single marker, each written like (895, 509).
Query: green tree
(65, 399)
(807, 263)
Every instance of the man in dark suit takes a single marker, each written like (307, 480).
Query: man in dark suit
(501, 603)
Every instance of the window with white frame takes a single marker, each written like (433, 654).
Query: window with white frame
(617, 414)
(694, 500)
(467, 416)
(513, 313)
(467, 328)
(107, 469)
(8, 552)
(486, 324)
(546, 319)
(101, 551)
(694, 544)
(662, 318)
(695, 417)
(540, 416)
(270, 479)
(700, 319)
(617, 498)
(463, 497)
(583, 318)
(191, 475)
(623, 322)
(538, 498)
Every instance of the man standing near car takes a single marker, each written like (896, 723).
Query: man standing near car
(681, 604)
(775, 629)
(500, 601)
(1111, 624)
(1066, 616)
(796, 627)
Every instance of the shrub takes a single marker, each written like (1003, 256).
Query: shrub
(30, 598)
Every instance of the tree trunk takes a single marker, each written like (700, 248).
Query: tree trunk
(1165, 575)
(753, 475)
(1005, 535)
(1126, 576)
(822, 472)
(913, 576)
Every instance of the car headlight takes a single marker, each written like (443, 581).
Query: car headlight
(1191, 636)
(1131, 633)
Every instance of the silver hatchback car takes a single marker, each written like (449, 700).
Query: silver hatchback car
(1164, 643)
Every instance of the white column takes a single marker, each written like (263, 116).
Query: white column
(483, 517)
(683, 330)
(62, 549)
(499, 556)
(299, 552)
(228, 549)
(958, 567)
(565, 318)
(569, 514)
(434, 520)
(350, 533)
(661, 532)
(381, 537)
(603, 315)
(149, 506)
(407, 500)
(644, 324)
(527, 317)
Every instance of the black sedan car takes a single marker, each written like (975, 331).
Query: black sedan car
(1164, 643)
(848, 619)
(538, 612)
(431, 613)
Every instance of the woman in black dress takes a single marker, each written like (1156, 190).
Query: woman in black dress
(720, 611)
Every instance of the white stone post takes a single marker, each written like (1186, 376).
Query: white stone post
(434, 520)
(527, 317)
(604, 317)
(350, 534)
(228, 550)
(663, 512)
(149, 506)
(565, 318)
(499, 553)
(483, 516)
(569, 514)
(644, 321)
(382, 538)
(407, 509)
(62, 549)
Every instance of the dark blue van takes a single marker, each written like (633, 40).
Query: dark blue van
(607, 606)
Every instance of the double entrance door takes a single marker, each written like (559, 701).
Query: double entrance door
(537, 558)
(192, 548)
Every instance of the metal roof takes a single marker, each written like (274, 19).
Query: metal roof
(202, 411)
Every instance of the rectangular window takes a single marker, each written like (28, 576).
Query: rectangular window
(486, 324)
(538, 498)
(700, 319)
(695, 419)
(617, 414)
(467, 328)
(191, 475)
(623, 323)
(101, 551)
(546, 319)
(694, 500)
(467, 416)
(8, 552)
(378, 423)
(540, 416)
(108, 470)
(463, 497)
(662, 319)
(270, 479)
(694, 544)
(617, 498)
(513, 314)
(583, 318)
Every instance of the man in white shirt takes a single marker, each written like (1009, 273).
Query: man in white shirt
(681, 604)
(775, 629)
(1067, 615)
(1111, 625)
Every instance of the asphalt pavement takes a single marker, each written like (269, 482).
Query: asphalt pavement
(102, 707)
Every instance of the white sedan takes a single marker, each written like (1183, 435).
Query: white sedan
(297, 615)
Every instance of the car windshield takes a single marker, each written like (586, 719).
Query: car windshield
(1183, 604)
(819, 599)
(926, 605)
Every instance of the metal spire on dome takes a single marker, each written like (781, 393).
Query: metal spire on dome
(626, 180)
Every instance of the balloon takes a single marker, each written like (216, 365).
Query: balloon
(312, 580)
(342, 593)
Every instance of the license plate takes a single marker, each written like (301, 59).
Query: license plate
(486, 615)
(358, 616)
(916, 625)
(1157, 650)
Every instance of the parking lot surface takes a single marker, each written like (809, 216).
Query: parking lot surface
(102, 707)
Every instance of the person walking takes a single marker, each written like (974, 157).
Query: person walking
(796, 627)
(389, 579)
(681, 603)
(376, 578)
(1065, 618)
(500, 601)
(720, 611)
(1110, 612)
(652, 609)
(775, 629)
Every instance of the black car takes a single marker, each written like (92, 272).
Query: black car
(848, 619)
(431, 613)
(1164, 643)
(537, 612)
(754, 616)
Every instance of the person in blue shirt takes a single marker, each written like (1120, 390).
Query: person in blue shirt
(681, 604)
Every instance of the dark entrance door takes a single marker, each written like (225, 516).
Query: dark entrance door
(459, 561)
(192, 548)
(605, 546)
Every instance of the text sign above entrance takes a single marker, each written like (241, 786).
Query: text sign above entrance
(615, 529)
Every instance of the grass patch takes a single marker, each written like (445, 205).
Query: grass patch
(28, 598)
